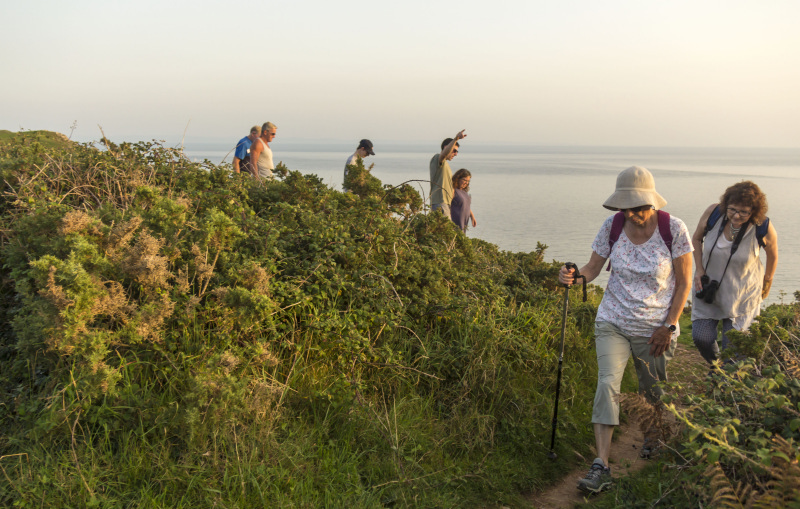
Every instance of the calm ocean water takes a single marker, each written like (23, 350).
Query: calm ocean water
(525, 195)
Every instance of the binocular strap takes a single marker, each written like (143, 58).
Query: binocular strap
(734, 247)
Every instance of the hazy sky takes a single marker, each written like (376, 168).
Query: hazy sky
(666, 73)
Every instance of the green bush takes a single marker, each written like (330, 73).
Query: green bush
(739, 443)
(181, 335)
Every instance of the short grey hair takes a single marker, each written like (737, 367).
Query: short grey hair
(268, 126)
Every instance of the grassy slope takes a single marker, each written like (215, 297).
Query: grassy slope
(183, 338)
(47, 139)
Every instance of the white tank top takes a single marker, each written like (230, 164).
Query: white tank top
(265, 164)
(739, 294)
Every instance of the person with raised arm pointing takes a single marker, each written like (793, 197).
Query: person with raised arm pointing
(442, 176)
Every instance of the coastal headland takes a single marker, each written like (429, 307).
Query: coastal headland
(180, 336)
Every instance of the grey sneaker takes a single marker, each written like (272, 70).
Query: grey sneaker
(649, 449)
(597, 479)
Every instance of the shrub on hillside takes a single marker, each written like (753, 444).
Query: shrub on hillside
(164, 311)
(742, 435)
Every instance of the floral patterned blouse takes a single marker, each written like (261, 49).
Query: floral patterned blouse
(642, 282)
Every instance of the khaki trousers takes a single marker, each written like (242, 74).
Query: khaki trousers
(614, 347)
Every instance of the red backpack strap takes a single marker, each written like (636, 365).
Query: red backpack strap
(663, 229)
(619, 221)
(613, 236)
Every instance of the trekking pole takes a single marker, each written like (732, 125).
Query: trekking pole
(576, 276)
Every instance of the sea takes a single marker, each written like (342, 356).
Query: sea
(524, 195)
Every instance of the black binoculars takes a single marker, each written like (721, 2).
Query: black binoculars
(709, 291)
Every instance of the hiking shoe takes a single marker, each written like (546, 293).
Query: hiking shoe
(649, 449)
(597, 479)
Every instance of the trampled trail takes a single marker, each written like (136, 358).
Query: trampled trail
(688, 368)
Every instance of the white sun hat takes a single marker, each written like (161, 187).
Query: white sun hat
(635, 187)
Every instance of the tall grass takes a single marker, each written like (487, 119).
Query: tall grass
(183, 337)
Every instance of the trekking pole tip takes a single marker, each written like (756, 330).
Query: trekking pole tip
(552, 455)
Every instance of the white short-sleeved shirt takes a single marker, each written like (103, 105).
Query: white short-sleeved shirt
(642, 282)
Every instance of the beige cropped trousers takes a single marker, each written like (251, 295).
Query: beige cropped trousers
(614, 347)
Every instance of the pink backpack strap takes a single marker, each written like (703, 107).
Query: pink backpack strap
(613, 236)
(663, 229)
(619, 221)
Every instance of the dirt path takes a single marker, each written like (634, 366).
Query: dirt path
(688, 368)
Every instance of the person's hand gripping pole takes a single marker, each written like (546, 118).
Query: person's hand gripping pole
(576, 275)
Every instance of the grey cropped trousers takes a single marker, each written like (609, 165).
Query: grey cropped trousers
(614, 348)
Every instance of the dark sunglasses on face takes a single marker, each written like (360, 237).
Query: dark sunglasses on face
(637, 209)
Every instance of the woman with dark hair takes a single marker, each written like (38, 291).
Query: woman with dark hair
(460, 207)
(729, 280)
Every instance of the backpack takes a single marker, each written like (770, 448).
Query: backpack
(761, 230)
(619, 221)
(244, 164)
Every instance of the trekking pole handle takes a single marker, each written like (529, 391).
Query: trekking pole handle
(575, 276)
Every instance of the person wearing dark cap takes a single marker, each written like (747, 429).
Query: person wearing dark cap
(364, 149)
(241, 157)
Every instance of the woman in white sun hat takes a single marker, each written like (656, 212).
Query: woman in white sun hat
(650, 257)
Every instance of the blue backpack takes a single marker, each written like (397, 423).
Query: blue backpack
(761, 229)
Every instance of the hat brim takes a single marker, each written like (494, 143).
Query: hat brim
(628, 199)
(370, 152)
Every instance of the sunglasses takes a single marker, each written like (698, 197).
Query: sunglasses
(637, 209)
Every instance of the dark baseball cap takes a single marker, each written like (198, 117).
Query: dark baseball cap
(367, 145)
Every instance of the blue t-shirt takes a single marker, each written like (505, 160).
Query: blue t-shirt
(243, 148)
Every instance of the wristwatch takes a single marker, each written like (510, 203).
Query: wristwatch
(671, 327)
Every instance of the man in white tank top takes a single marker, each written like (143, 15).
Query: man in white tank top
(261, 154)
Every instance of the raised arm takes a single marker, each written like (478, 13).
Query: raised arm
(445, 153)
(771, 248)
